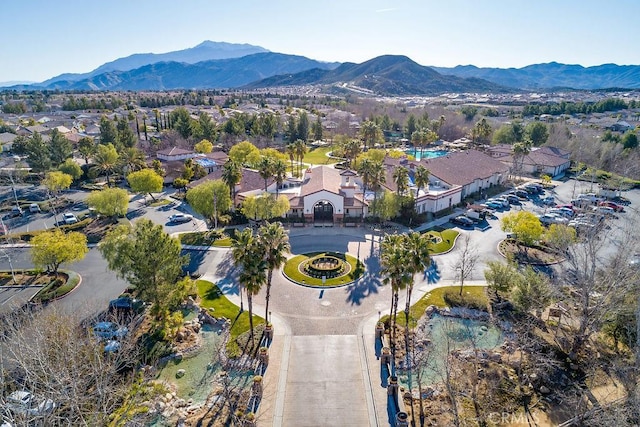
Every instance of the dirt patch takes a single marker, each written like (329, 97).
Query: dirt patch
(97, 229)
(527, 254)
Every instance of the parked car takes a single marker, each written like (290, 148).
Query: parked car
(494, 204)
(126, 304)
(24, 403)
(548, 201)
(616, 207)
(550, 218)
(513, 199)
(606, 210)
(69, 218)
(15, 211)
(109, 330)
(522, 194)
(34, 208)
(502, 200)
(463, 221)
(180, 217)
(566, 212)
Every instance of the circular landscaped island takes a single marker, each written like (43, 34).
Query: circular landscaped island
(323, 269)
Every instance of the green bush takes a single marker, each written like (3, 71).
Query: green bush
(468, 300)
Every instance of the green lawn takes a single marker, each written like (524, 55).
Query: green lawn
(435, 297)
(292, 272)
(211, 297)
(318, 156)
(446, 239)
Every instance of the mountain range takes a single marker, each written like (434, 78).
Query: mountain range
(227, 65)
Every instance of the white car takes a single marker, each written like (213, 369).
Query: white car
(69, 218)
(180, 217)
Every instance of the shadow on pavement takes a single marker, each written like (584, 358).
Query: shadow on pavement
(432, 274)
(367, 285)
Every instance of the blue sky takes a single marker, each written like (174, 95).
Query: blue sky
(40, 39)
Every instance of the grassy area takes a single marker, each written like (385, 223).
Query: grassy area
(291, 270)
(211, 297)
(56, 289)
(444, 239)
(159, 202)
(318, 156)
(436, 297)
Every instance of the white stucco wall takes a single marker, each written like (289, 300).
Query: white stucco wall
(336, 200)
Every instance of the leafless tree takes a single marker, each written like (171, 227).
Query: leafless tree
(466, 260)
(599, 277)
(49, 354)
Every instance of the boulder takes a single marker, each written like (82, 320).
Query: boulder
(180, 373)
(544, 390)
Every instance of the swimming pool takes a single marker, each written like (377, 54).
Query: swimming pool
(426, 154)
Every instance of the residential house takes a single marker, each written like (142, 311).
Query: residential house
(175, 153)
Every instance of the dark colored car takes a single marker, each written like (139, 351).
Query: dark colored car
(462, 220)
(126, 304)
(513, 199)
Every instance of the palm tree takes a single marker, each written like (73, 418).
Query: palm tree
(401, 179)
(377, 177)
(301, 150)
(481, 130)
(393, 260)
(351, 150)
(291, 151)
(132, 159)
(279, 174)
(274, 242)
(417, 249)
(520, 151)
(265, 169)
(231, 175)
(421, 178)
(364, 169)
(247, 254)
(106, 159)
(253, 277)
(370, 133)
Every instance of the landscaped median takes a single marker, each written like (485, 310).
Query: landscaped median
(54, 286)
(443, 239)
(323, 269)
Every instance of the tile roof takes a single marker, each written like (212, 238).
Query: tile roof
(175, 151)
(464, 167)
(321, 178)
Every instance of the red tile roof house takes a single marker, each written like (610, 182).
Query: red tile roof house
(436, 197)
(453, 177)
(327, 194)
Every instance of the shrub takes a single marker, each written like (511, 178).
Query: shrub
(453, 299)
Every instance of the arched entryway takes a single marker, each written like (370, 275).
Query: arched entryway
(323, 211)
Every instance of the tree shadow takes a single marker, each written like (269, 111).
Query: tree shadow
(432, 274)
(230, 285)
(135, 213)
(196, 259)
(226, 266)
(367, 285)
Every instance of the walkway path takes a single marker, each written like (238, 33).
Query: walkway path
(323, 368)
